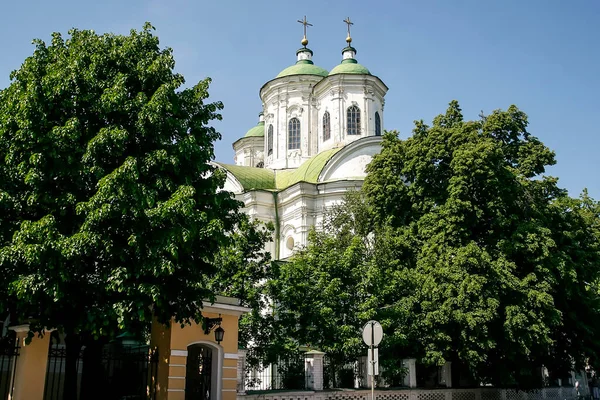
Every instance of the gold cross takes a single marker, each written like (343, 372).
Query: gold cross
(305, 23)
(348, 22)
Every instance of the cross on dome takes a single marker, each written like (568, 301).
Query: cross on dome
(305, 23)
(348, 22)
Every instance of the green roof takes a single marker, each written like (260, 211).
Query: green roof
(252, 178)
(303, 67)
(265, 179)
(258, 130)
(350, 66)
(309, 171)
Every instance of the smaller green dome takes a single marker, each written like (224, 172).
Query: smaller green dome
(258, 130)
(350, 66)
(303, 67)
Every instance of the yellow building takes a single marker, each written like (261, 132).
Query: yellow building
(197, 361)
(192, 365)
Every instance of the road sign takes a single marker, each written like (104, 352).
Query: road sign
(373, 357)
(372, 333)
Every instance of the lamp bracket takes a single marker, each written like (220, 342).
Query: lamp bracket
(210, 323)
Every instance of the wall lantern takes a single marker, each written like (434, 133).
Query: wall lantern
(219, 333)
(210, 323)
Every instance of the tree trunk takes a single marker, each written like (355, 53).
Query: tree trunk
(73, 346)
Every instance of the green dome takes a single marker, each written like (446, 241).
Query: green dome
(303, 67)
(258, 130)
(350, 66)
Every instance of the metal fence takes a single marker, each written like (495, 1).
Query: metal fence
(425, 394)
(9, 353)
(116, 372)
(287, 373)
(343, 375)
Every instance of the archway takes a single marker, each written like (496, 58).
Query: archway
(203, 372)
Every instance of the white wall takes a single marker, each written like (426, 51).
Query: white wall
(336, 94)
(283, 99)
(351, 161)
(249, 151)
(299, 208)
(307, 98)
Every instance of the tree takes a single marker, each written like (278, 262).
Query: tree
(319, 294)
(110, 212)
(463, 250)
(501, 265)
(243, 270)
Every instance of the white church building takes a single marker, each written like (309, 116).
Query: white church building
(316, 133)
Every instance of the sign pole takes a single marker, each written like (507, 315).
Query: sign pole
(373, 361)
(372, 334)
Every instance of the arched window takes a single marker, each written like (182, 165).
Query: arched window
(294, 134)
(326, 126)
(270, 140)
(353, 117)
(377, 124)
(260, 164)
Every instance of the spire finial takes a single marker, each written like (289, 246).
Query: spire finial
(348, 22)
(305, 23)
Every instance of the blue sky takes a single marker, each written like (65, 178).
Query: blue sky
(542, 55)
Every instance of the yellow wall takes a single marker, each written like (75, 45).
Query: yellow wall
(160, 337)
(182, 338)
(176, 339)
(30, 374)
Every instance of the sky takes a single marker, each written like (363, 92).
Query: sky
(541, 55)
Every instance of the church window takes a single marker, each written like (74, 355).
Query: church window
(377, 124)
(294, 134)
(270, 140)
(326, 126)
(353, 116)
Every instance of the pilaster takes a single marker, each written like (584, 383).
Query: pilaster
(412, 372)
(448, 374)
(30, 369)
(314, 369)
(241, 371)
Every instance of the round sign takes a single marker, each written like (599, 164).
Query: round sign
(372, 333)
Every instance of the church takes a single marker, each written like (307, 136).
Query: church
(316, 133)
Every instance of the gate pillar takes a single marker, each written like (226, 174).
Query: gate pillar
(314, 369)
(174, 341)
(30, 369)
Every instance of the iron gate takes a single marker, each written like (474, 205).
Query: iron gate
(198, 373)
(115, 372)
(9, 352)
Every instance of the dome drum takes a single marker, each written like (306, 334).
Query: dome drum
(321, 95)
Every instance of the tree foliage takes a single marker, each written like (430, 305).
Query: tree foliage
(110, 213)
(501, 263)
(465, 252)
(243, 271)
(319, 294)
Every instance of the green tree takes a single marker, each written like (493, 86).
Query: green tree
(463, 250)
(489, 264)
(319, 294)
(244, 269)
(110, 212)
